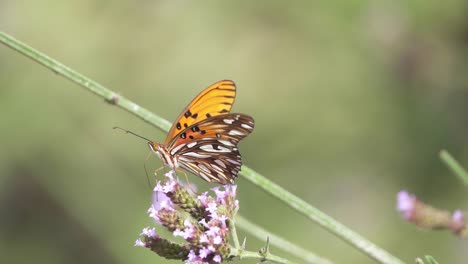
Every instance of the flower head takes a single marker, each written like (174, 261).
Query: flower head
(204, 228)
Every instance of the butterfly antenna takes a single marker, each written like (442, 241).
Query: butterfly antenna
(130, 132)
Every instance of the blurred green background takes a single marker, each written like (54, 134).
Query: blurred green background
(352, 100)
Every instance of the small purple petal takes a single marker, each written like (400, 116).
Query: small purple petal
(213, 231)
(202, 198)
(139, 243)
(406, 203)
(223, 219)
(149, 232)
(204, 252)
(187, 223)
(217, 240)
(233, 190)
(169, 175)
(217, 258)
(457, 216)
(158, 187)
(220, 195)
(204, 239)
(153, 213)
(188, 233)
(214, 215)
(203, 222)
(169, 186)
(178, 232)
(191, 256)
(458, 221)
(212, 207)
(161, 201)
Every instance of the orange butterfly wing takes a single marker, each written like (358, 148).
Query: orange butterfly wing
(209, 148)
(216, 99)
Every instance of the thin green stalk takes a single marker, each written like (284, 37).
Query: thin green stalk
(453, 165)
(232, 227)
(320, 218)
(295, 202)
(258, 255)
(280, 242)
(78, 78)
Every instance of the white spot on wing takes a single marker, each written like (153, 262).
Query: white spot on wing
(235, 133)
(191, 144)
(205, 177)
(228, 121)
(196, 155)
(203, 167)
(246, 126)
(174, 150)
(233, 161)
(220, 163)
(210, 148)
(216, 168)
(225, 142)
(184, 159)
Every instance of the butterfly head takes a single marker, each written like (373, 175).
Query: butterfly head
(162, 152)
(155, 147)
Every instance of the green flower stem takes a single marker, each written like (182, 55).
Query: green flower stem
(321, 218)
(232, 228)
(295, 202)
(453, 164)
(280, 242)
(92, 86)
(257, 255)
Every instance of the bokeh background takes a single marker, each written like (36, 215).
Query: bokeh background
(352, 100)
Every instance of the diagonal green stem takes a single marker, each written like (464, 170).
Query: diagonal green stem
(257, 255)
(453, 165)
(295, 202)
(320, 218)
(280, 242)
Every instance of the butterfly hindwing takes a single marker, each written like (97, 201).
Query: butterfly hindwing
(216, 99)
(221, 167)
(209, 148)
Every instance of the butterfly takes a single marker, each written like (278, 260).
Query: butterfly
(203, 139)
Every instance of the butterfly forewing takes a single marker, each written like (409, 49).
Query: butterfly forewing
(216, 99)
(209, 147)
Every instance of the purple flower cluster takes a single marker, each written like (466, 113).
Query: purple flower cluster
(205, 228)
(426, 216)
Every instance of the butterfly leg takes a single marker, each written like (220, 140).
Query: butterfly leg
(189, 185)
(146, 170)
(156, 171)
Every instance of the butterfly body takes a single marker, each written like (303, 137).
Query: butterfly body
(203, 140)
